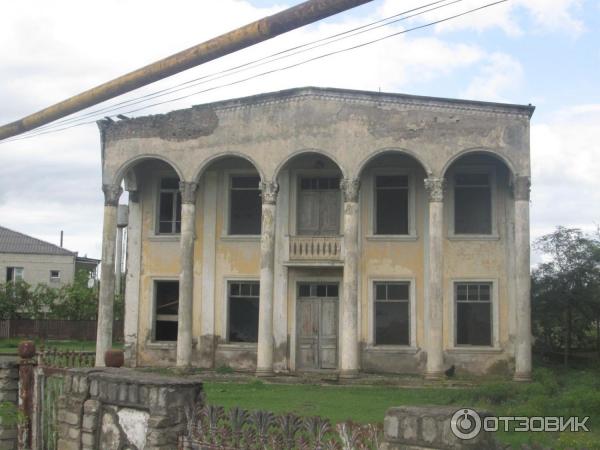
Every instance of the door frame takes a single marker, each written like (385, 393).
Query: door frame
(294, 280)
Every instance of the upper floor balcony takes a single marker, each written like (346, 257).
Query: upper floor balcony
(314, 251)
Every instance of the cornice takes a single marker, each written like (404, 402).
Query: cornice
(296, 95)
(405, 101)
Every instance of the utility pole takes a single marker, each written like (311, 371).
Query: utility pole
(246, 36)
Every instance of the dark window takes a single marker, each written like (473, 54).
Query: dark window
(391, 204)
(473, 313)
(392, 313)
(319, 183)
(55, 275)
(243, 311)
(245, 205)
(14, 274)
(167, 305)
(472, 204)
(169, 206)
(318, 290)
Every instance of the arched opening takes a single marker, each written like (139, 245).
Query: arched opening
(310, 184)
(392, 191)
(238, 179)
(477, 187)
(155, 207)
(229, 186)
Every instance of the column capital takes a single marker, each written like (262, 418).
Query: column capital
(521, 188)
(112, 192)
(435, 186)
(350, 188)
(188, 191)
(269, 190)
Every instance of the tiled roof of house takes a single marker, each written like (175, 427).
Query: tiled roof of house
(15, 242)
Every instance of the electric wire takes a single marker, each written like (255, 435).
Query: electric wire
(279, 69)
(253, 64)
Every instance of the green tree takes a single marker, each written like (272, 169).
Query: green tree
(566, 289)
(76, 301)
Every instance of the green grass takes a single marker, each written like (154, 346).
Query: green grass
(554, 391)
(10, 345)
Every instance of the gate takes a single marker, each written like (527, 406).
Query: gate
(48, 386)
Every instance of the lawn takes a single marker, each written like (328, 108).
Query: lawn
(10, 345)
(554, 392)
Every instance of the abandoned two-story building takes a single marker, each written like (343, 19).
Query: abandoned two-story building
(320, 229)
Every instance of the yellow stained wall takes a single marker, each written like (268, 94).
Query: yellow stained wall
(239, 257)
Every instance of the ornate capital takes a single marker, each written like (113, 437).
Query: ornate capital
(188, 191)
(269, 192)
(350, 188)
(521, 187)
(435, 186)
(112, 192)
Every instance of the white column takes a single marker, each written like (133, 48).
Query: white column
(435, 336)
(522, 280)
(206, 344)
(186, 277)
(280, 285)
(122, 219)
(264, 360)
(132, 281)
(106, 296)
(349, 360)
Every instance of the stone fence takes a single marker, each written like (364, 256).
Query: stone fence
(116, 409)
(430, 427)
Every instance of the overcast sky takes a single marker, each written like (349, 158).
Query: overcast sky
(544, 52)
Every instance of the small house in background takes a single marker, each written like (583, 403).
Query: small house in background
(35, 261)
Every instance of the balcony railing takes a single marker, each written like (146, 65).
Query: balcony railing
(315, 248)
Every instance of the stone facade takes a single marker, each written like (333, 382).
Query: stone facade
(350, 137)
(120, 409)
(9, 391)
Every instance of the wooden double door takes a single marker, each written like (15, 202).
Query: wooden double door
(317, 326)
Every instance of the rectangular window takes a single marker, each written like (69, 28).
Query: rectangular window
(166, 297)
(169, 207)
(55, 275)
(245, 205)
(243, 311)
(473, 313)
(392, 313)
(472, 203)
(391, 204)
(14, 274)
(318, 290)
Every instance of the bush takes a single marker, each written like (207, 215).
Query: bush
(75, 301)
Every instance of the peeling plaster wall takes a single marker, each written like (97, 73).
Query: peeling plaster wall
(352, 130)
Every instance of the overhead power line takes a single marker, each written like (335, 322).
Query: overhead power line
(255, 63)
(280, 69)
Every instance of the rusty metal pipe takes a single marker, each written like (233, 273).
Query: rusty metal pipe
(253, 33)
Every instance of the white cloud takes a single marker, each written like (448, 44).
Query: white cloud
(499, 75)
(565, 166)
(514, 17)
